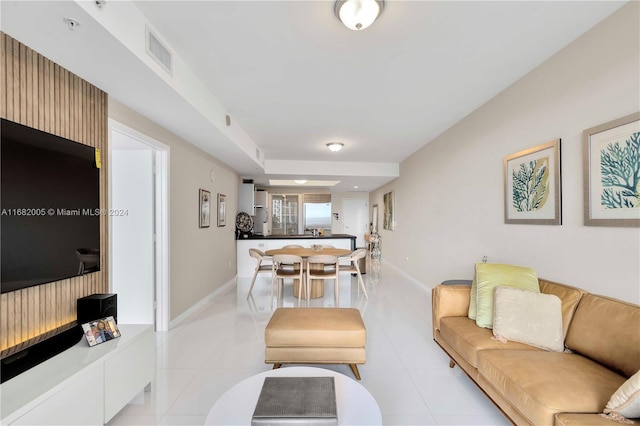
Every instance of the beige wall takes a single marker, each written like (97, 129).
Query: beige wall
(449, 198)
(201, 259)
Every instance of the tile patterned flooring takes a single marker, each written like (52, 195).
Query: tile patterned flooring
(223, 343)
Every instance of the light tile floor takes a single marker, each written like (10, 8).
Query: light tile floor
(223, 343)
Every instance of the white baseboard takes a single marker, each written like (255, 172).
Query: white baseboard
(193, 309)
(408, 277)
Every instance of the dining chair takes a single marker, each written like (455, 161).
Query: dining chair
(354, 267)
(260, 266)
(286, 266)
(292, 246)
(323, 267)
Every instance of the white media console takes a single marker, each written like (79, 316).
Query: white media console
(82, 385)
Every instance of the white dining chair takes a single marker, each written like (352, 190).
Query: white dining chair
(260, 266)
(323, 267)
(286, 266)
(354, 267)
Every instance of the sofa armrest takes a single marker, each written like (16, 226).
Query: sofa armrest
(449, 301)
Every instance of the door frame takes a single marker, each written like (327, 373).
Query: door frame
(161, 209)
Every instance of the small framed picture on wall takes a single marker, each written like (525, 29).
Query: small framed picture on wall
(205, 209)
(222, 210)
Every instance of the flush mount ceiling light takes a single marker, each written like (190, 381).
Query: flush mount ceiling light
(300, 181)
(335, 146)
(358, 14)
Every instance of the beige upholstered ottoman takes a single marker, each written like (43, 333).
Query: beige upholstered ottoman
(316, 336)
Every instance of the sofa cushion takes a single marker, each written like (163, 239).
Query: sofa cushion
(606, 330)
(570, 297)
(542, 383)
(491, 275)
(463, 335)
(626, 400)
(527, 317)
(581, 419)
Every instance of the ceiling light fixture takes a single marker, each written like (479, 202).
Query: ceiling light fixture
(335, 146)
(300, 181)
(358, 14)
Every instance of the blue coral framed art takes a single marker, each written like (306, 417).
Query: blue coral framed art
(532, 186)
(611, 171)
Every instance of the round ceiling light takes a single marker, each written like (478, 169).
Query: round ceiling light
(358, 14)
(335, 146)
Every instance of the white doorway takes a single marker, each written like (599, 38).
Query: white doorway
(355, 221)
(138, 226)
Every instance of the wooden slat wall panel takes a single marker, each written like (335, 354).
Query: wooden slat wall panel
(38, 93)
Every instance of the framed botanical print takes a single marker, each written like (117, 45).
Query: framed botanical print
(532, 186)
(611, 172)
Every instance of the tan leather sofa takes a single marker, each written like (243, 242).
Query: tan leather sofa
(536, 387)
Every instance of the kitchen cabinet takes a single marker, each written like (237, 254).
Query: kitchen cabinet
(246, 200)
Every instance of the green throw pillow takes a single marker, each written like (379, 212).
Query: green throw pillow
(474, 296)
(491, 275)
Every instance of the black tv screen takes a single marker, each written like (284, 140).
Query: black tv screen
(49, 205)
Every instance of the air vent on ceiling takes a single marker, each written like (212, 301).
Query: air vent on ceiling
(159, 52)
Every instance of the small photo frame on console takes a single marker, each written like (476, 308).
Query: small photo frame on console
(100, 331)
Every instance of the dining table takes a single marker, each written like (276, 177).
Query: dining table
(317, 286)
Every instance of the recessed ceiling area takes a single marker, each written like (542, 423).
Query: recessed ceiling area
(292, 78)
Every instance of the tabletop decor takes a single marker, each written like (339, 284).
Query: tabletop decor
(205, 206)
(612, 173)
(532, 193)
(100, 330)
(222, 210)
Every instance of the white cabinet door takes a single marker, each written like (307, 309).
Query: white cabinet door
(79, 403)
(245, 198)
(127, 372)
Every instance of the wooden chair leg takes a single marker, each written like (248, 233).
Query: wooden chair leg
(354, 368)
(451, 363)
(361, 283)
(253, 281)
(276, 366)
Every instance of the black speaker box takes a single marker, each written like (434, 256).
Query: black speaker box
(97, 306)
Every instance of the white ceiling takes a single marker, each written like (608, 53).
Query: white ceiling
(292, 78)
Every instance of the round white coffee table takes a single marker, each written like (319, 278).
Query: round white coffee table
(355, 404)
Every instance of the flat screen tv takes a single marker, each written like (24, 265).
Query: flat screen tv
(50, 208)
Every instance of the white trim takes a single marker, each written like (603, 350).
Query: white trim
(408, 277)
(193, 309)
(162, 196)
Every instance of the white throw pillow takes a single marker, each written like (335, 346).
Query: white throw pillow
(528, 317)
(626, 400)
